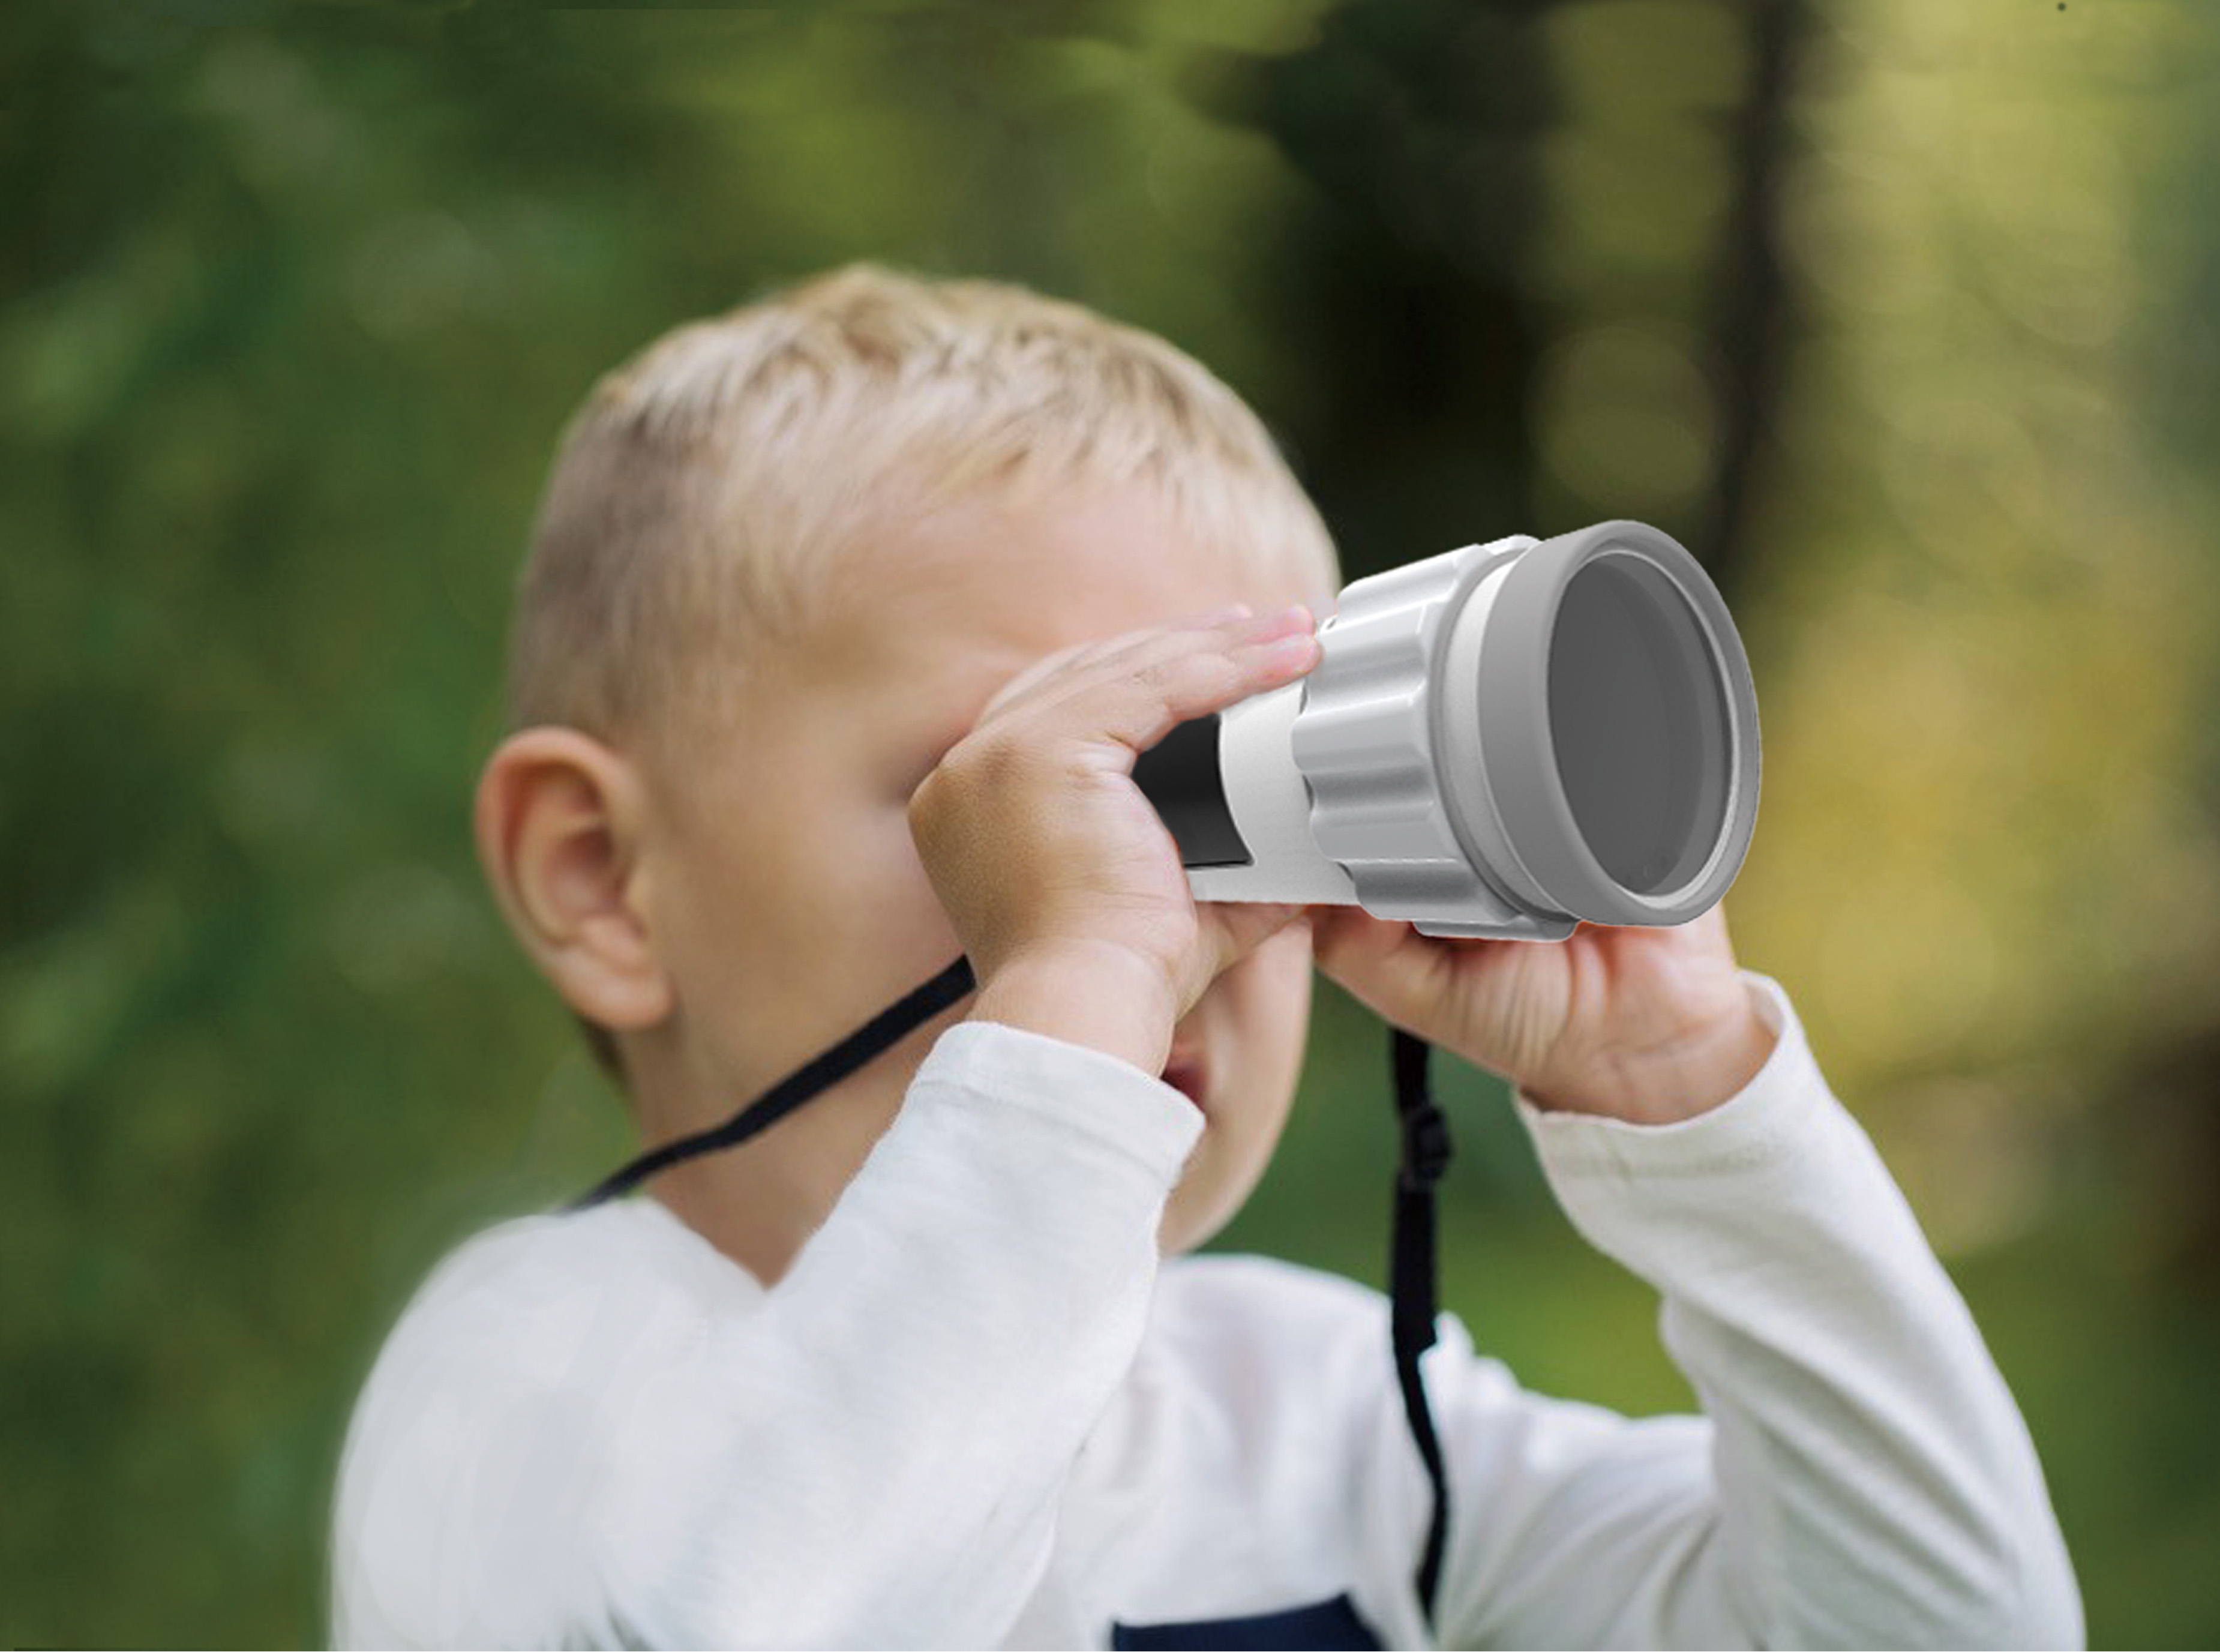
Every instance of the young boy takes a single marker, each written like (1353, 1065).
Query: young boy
(847, 615)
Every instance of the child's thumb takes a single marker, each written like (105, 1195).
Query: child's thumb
(1384, 963)
(1242, 926)
(1352, 935)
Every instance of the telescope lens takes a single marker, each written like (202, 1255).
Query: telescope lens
(1639, 723)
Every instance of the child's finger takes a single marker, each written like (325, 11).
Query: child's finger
(1226, 631)
(1231, 930)
(1132, 690)
(1216, 617)
(1385, 963)
(1082, 658)
(1169, 678)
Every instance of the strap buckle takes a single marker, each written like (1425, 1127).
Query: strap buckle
(1426, 1147)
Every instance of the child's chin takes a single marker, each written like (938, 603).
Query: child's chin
(1195, 1214)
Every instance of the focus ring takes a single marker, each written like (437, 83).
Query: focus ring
(1366, 745)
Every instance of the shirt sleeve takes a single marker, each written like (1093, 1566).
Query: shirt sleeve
(1861, 1476)
(869, 1453)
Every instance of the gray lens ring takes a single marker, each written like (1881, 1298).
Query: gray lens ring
(1497, 707)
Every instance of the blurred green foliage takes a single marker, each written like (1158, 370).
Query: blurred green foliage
(1901, 315)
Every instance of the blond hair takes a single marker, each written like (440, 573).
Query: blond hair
(709, 497)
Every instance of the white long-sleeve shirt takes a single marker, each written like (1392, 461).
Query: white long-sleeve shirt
(980, 1411)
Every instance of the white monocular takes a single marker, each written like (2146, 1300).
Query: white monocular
(1501, 741)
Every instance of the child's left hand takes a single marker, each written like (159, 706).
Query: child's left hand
(1647, 1026)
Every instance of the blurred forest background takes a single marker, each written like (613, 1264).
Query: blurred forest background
(1901, 315)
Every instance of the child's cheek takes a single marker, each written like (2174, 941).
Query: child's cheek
(882, 842)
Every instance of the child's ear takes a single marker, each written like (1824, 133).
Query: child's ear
(561, 826)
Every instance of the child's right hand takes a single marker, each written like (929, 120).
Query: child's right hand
(1063, 883)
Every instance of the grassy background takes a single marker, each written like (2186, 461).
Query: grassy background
(1899, 315)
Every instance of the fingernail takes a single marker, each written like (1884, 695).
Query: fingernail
(1295, 649)
(1219, 616)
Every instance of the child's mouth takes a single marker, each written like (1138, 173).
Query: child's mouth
(1186, 1075)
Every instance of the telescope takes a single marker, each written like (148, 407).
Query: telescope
(1498, 741)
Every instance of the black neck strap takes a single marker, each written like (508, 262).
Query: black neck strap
(1425, 1152)
(1411, 1274)
(880, 1033)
